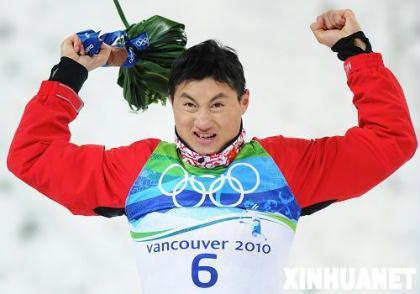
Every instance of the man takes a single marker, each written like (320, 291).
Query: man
(213, 212)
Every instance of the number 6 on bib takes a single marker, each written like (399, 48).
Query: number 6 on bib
(196, 268)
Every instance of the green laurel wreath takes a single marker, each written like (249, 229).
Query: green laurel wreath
(147, 81)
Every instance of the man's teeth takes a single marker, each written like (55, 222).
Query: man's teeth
(207, 136)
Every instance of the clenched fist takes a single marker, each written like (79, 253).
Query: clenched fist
(333, 25)
(72, 47)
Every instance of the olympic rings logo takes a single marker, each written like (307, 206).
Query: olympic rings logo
(142, 42)
(214, 187)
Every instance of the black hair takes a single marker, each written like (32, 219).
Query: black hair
(208, 59)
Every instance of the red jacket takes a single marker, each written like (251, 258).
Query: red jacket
(85, 177)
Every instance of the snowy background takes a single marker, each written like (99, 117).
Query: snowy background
(298, 88)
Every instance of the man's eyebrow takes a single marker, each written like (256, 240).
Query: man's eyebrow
(220, 95)
(185, 95)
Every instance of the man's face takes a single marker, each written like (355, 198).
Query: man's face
(207, 114)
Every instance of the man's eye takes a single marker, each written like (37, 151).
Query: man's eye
(189, 105)
(217, 105)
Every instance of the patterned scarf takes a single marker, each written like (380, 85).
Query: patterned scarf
(224, 157)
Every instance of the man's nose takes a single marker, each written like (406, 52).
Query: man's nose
(203, 120)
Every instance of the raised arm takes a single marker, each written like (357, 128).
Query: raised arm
(87, 179)
(325, 170)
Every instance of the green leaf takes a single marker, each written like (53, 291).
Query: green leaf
(147, 81)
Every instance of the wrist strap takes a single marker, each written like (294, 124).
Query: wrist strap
(345, 46)
(70, 73)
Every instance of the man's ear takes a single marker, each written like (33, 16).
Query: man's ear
(244, 101)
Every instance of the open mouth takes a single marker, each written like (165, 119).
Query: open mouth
(204, 137)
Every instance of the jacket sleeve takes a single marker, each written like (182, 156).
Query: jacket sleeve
(87, 179)
(329, 169)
